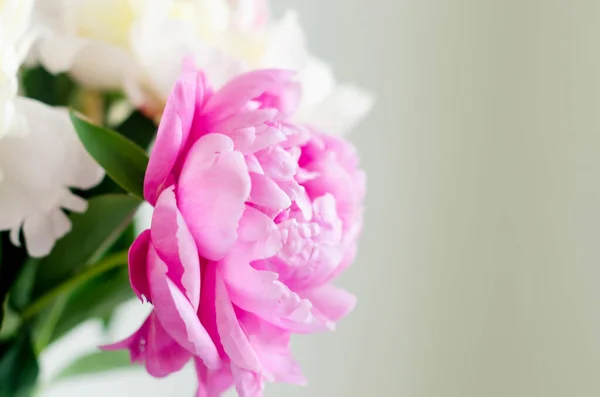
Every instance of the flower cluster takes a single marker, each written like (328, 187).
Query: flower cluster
(256, 198)
(254, 216)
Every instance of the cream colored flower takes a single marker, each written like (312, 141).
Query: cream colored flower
(139, 45)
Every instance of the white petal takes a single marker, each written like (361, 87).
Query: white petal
(87, 38)
(61, 225)
(73, 203)
(43, 229)
(286, 46)
(317, 82)
(101, 66)
(159, 50)
(55, 148)
(58, 52)
(14, 235)
(249, 14)
(338, 112)
(38, 170)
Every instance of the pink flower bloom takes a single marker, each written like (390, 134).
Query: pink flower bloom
(254, 217)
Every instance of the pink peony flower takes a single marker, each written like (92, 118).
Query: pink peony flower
(254, 217)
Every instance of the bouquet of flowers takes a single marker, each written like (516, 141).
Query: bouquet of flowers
(216, 115)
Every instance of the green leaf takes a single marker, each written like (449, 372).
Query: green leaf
(54, 90)
(10, 325)
(113, 286)
(43, 325)
(2, 294)
(139, 128)
(97, 362)
(107, 186)
(123, 160)
(11, 262)
(124, 241)
(107, 319)
(93, 232)
(21, 290)
(85, 302)
(18, 367)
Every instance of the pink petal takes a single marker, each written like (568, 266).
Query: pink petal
(234, 340)
(330, 302)
(285, 99)
(298, 196)
(207, 310)
(172, 134)
(259, 292)
(175, 246)
(350, 251)
(212, 383)
(247, 383)
(265, 192)
(243, 138)
(336, 180)
(244, 119)
(260, 233)
(213, 186)
(203, 89)
(250, 140)
(268, 137)
(272, 344)
(277, 163)
(164, 156)
(152, 346)
(246, 87)
(176, 313)
(138, 277)
(297, 135)
(253, 164)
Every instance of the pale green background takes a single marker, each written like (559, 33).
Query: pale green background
(479, 269)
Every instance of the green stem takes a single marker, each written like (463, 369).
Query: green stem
(108, 263)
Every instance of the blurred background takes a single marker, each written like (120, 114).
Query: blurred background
(479, 264)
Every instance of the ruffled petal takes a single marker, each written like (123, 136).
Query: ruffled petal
(330, 302)
(261, 293)
(138, 271)
(212, 383)
(244, 88)
(151, 345)
(176, 313)
(249, 118)
(234, 339)
(176, 247)
(172, 135)
(265, 192)
(272, 344)
(259, 234)
(267, 136)
(212, 189)
(277, 163)
(247, 383)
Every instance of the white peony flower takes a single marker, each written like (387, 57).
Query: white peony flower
(14, 43)
(40, 154)
(140, 44)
